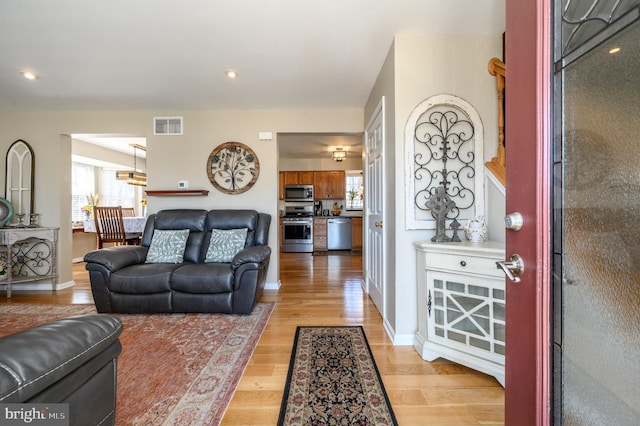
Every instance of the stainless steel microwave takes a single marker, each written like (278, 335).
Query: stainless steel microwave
(298, 193)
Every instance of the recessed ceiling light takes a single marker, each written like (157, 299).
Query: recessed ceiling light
(614, 50)
(231, 73)
(28, 75)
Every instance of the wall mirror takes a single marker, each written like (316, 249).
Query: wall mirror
(19, 179)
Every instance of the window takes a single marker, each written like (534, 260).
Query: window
(82, 184)
(114, 192)
(88, 180)
(355, 190)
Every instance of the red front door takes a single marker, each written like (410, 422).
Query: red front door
(528, 142)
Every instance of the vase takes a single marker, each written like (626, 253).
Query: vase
(476, 230)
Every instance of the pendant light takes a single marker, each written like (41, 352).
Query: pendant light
(339, 154)
(133, 177)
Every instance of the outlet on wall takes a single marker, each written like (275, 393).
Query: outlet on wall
(183, 184)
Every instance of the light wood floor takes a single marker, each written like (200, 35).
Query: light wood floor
(326, 290)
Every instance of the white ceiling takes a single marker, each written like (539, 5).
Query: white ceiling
(309, 145)
(168, 54)
(172, 55)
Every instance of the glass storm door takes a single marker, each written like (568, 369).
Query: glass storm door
(596, 243)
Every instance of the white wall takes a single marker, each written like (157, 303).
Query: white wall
(423, 66)
(169, 158)
(385, 87)
(97, 152)
(295, 164)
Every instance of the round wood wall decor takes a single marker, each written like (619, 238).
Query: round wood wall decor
(233, 168)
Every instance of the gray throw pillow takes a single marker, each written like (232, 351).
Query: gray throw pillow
(224, 244)
(167, 246)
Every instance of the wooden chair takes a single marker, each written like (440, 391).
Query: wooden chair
(128, 212)
(110, 227)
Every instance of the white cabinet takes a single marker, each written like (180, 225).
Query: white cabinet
(461, 305)
(30, 254)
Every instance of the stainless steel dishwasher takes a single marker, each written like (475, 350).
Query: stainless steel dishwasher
(339, 233)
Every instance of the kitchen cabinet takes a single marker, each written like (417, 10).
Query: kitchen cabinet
(461, 304)
(319, 234)
(356, 233)
(304, 177)
(329, 185)
(298, 178)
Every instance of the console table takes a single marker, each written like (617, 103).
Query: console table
(31, 255)
(461, 305)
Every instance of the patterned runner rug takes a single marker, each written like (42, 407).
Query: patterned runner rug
(338, 253)
(333, 380)
(175, 369)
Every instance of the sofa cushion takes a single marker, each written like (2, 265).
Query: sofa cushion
(167, 246)
(204, 278)
(145, 278)
(224, 244)
(234, 219)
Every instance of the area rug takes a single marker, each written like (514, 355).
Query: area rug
(333, 380)
(338, 253)
(175, 369)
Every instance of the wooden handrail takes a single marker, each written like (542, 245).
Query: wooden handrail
(498, 164)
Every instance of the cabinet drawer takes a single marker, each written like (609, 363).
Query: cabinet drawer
(320, 243)
(463, 264)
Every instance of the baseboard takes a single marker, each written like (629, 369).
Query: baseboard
(44, 285)
(397, 339)
(403, 340)
(272, 286)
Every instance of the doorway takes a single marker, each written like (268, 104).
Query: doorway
(308, 159)
(95, 158)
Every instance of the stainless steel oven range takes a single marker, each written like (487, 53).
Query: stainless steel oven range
(297, 228)
(297, 234)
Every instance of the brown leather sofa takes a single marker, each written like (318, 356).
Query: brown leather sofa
(69, 361)
(122, 281)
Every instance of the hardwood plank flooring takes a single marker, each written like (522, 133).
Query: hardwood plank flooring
(326, 290)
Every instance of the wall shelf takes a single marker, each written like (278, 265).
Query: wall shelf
(177, 192)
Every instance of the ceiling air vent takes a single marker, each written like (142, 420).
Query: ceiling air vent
(167, 125)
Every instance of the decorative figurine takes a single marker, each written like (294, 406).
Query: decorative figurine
(440, 205)
(455, 225)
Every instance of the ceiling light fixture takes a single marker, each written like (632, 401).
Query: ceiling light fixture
(614, 50)
(133, 177)
(231, 73)
(339, 154)
(28, 75)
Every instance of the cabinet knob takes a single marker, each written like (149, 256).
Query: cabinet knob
(463, 263)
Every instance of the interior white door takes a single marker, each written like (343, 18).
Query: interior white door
(374, 208)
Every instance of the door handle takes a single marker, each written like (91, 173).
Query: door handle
(512, 268)
(378, 224)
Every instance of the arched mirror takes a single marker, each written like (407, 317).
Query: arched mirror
(20, 172)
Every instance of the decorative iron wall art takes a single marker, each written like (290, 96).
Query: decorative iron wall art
(233, 168)
(444, 149)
